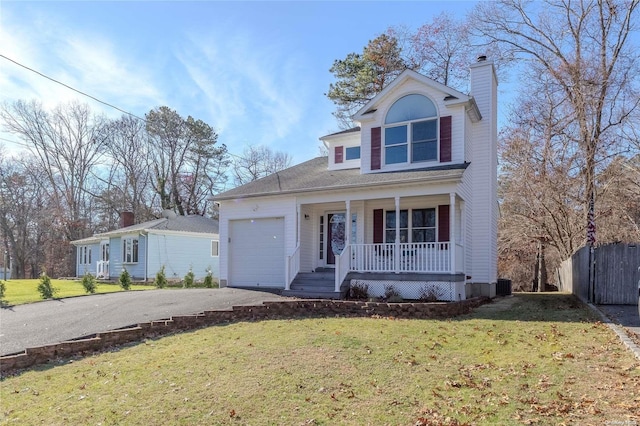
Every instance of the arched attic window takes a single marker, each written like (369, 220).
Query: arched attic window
(411, 130)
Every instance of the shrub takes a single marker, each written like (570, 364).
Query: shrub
(89, 283)
(428, 294)
(391, 294)
(125, 280)
(3, 288)
(189, 279)
(359, 291)
(161, 279)
(46, 290)
(208, 279)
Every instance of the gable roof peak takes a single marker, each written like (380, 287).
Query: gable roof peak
(449, 92)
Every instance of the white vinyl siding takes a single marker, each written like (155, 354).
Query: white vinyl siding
(181, 253)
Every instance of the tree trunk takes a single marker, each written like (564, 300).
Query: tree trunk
(541, 268)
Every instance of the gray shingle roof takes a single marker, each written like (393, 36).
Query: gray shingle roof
(343, 132)
(194, 223)
(313, 175)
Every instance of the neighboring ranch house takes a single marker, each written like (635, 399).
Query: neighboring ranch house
(179, 243)
(407, 199)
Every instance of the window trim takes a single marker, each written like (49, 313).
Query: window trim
(84, 255)
(351, 149)
(413, 113)
(410, 228)
(134, 244)
(409, 143)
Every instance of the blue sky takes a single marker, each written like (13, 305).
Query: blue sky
(255, 71)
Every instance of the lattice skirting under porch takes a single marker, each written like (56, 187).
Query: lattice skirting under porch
(414, 290)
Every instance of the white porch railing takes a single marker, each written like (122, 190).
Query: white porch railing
(404, 257)
(292, 267)
(102, 269)
(342, 266)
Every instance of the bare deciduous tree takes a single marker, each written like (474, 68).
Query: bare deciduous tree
(584, 49)
(67, 144)
(127, 186)
(257, 162)
(187, 165)
(441, 49)
(24, 222)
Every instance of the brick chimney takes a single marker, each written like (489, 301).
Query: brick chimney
(126, 219)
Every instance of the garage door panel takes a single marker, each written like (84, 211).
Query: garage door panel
(256, 253)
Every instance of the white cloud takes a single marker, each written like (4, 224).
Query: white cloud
(252, 89)
(255, 92)
(85, 61)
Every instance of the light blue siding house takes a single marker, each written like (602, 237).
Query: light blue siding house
(179, 243)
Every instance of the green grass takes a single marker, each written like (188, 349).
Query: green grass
(545, 360)
(26, 291)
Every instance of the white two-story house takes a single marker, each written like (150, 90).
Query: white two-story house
(407, 199)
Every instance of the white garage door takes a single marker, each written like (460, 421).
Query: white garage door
(256, 253)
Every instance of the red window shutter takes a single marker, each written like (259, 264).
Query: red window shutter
(445, 139)
(378, 226)
(443, 223)
(376, 141)
(339, 154)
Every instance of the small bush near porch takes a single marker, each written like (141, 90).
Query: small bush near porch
(541, 359)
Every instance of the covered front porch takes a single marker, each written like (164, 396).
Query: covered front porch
(410, 242)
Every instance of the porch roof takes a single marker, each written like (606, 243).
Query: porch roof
(313, 175)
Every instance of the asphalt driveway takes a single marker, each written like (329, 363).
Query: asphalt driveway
(624, 315)
(55, 321)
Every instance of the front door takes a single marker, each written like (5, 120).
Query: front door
(335, 235)
(103, 264)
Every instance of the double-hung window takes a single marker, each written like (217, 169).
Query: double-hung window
(130, 250)
(85, 255)
(411, 131)
(415, 226)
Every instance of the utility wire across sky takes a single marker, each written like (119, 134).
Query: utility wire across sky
(71, 88)
(77, 91)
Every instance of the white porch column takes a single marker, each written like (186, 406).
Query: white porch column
(299, 224)
(452, 232)
(396, 249)
(462, 237)
(347, 228)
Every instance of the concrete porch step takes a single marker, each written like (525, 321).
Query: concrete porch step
(315, 285)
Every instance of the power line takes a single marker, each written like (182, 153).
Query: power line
(71, 88)
(80, 92)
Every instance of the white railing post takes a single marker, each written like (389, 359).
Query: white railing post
(292, 267)
(342, 266)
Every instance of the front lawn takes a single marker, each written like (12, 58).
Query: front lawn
(546, 360)
(26, 291)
